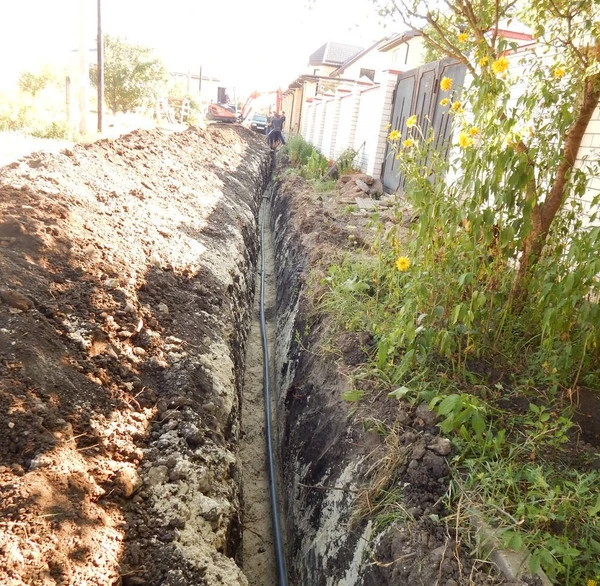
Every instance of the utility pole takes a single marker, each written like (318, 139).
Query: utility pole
(83, 69)
(200, 81)
(100, 41)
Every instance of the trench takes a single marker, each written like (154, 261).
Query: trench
(172, 478)
(259, 563)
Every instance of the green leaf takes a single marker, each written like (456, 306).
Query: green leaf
(353, 396)
(478, 423)
(596, 508)
(382, 352)
(465, 279)
(448, 404)
(399, 393)
(534, 563)
(516, 542)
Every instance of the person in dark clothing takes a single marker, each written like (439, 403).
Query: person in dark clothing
(276, 126)
(275, 138)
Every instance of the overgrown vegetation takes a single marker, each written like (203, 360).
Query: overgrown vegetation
(308, 162)
(489, 310)
(38, 108)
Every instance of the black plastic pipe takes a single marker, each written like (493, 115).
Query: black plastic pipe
(277, 537)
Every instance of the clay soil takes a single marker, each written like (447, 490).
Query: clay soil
(111, 260)
(258, 552)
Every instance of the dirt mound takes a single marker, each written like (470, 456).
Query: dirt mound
(127, 271)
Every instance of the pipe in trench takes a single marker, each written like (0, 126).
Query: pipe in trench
(277, 537)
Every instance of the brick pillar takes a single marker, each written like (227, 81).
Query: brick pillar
(306, 117)
(321, 126)
(313, 121)
(336, 122)
(388, 85)
(354, 117)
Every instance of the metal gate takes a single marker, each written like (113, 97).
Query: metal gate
(418, 92)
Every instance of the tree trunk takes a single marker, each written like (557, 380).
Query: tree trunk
(542, 215)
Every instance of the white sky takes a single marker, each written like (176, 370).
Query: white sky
(259, 44)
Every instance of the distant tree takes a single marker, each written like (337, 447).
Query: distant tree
(32, 83)
(132, 74)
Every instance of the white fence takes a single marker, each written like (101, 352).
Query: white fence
(352, 120)
(357, 120)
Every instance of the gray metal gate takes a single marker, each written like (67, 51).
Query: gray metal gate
(418, 92)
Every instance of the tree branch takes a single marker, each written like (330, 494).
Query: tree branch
(496, 21)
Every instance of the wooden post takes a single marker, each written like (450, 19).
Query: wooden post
(68, 97)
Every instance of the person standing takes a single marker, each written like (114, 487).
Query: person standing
(277, 125)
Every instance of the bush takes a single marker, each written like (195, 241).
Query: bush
(60, 129)
(14, 115)
(316, 166)
(299, 150)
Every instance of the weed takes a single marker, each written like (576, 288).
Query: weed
(323, 186)
(299, 150)
(345, 162)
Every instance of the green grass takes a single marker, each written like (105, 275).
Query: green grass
(520, 467)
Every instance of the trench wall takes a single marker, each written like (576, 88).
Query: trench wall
(327, 459)
(318, 446)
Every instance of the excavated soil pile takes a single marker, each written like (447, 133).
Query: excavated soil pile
(127, 271)
(330, 461)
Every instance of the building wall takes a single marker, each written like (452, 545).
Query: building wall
(292, 106)
(407, 56)
(375, 60)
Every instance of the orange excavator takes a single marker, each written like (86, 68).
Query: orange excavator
(222, 111)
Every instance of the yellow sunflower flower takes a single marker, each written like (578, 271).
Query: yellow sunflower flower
(394, 135)
(411, 121)
(559, 72)
(500, 66)
(473, 131)
(464, 140)
(445, 102)
(456, 106)
(408, 143)
(402, 264)
(463, 37)
(483, 61)
(446, 83)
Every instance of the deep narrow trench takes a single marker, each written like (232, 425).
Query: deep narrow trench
(258, 554)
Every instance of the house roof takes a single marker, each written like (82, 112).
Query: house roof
(333, 54)
(398, 39)
(356, 57)
(299, 81)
